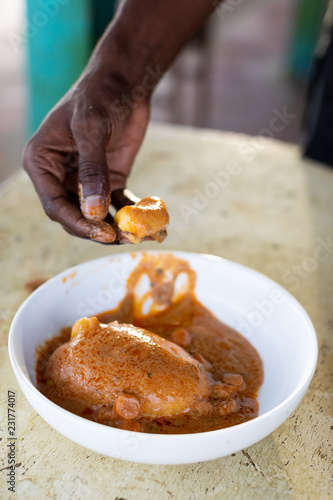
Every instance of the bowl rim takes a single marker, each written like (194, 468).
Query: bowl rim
(300, 388)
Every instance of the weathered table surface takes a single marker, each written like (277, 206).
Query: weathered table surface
(251, 200)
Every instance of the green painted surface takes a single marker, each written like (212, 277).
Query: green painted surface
(308, 21)
(59, 36)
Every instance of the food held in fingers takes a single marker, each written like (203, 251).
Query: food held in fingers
(146, 219)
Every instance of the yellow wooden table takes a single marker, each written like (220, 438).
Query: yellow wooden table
(253, 201)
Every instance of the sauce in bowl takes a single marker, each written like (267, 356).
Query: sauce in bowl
(160, 362)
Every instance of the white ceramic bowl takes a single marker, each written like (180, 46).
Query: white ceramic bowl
(272, 320)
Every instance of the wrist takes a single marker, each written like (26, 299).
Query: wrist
(115, 61)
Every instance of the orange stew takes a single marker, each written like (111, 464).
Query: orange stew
(176, 369)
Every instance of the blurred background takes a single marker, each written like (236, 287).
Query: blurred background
(250, 61)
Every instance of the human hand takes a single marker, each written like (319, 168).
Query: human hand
(80, 157)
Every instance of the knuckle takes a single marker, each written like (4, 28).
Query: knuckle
(90, 170)
(28, 155)
(92, 173)
(93, 179)
(52, 206)
(50, 209)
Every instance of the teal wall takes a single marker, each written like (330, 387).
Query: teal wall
(60, 37)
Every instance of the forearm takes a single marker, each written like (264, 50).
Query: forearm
(145, 37)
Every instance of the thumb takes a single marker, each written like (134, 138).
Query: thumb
(93, 174)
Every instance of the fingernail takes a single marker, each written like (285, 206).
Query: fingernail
(94, 207)
(103, 233)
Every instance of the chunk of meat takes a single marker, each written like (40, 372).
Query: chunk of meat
(127, 406)
(234, 379)
(147, 219)
(222, 391)
(130, 370)
(227, 407)
(181, 337)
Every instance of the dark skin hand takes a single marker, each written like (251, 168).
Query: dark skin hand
(81, 155)
(74, 159)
